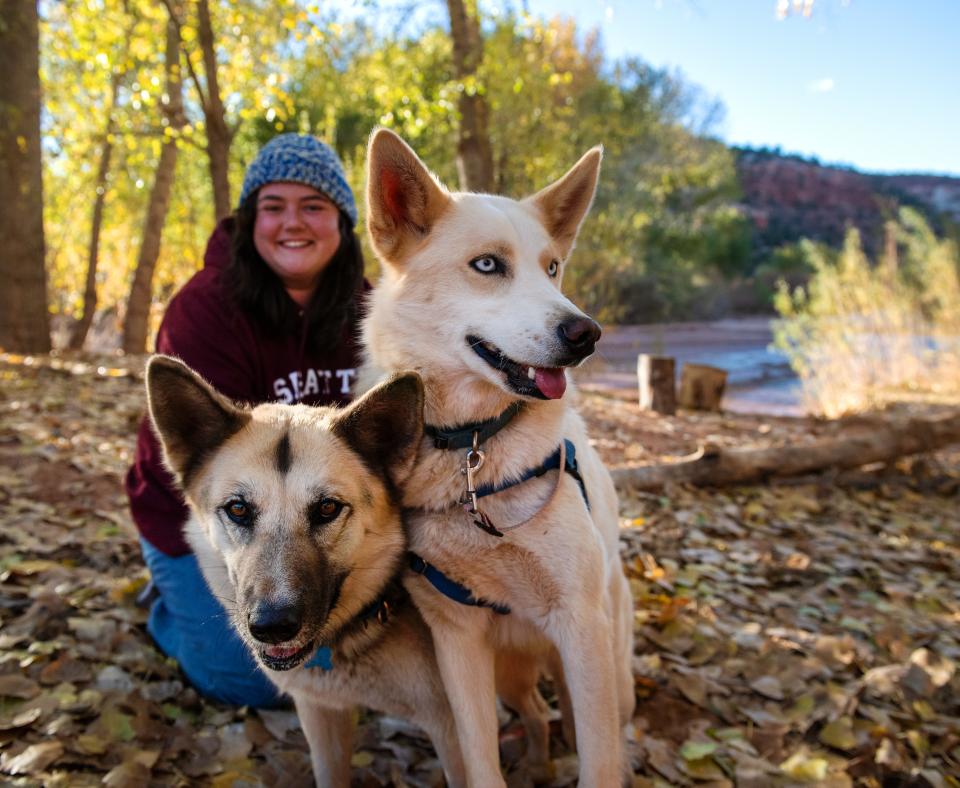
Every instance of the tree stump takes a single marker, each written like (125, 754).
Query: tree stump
(656, 377)
(702, 387)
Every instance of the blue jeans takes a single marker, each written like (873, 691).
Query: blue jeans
(189, 624)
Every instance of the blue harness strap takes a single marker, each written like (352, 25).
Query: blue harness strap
(450, 588)
(551, 463)
(460, 593)
(323, 657)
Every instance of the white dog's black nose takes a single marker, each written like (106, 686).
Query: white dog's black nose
(579, 335)
(274, 623)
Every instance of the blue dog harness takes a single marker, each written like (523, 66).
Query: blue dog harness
(323, 657)
(469, 436)
(551, 463)
(450, 588)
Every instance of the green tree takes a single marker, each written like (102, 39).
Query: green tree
(219, 131)
(474, 151)
(120, 57)
(136, 321)
(662, 236)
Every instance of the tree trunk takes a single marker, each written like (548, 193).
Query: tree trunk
(24, 318)
(79, 333)
(702, 387)
(137, 319)
(878, 442)
(474, 151)
(219, 134)
(657, 382)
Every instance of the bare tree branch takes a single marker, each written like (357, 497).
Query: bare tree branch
(194, 77)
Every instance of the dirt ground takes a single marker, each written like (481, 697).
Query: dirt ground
(805, 633)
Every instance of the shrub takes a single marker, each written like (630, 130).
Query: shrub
(861, 334)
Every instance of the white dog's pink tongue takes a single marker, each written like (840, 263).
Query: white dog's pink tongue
(551, 381)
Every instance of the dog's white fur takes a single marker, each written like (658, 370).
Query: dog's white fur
(560, 574)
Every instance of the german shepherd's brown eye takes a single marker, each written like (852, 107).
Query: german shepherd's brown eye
(323, 511)
(239, 512)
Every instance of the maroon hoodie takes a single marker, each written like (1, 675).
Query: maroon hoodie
(242, 360)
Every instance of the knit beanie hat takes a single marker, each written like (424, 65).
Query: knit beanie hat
(301, 158)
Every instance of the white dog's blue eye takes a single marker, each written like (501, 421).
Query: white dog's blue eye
(488, 264)
(553, 268)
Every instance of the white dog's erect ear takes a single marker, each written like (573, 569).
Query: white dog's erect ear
(565, 203)
(404, 200)
(385, 425)
(189, 416)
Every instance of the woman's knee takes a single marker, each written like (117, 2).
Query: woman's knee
(237, 689)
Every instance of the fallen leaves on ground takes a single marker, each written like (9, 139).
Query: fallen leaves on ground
(817, 633)
(802, 634)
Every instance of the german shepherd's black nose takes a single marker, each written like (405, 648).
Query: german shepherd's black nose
(270, 623)
(579, 335)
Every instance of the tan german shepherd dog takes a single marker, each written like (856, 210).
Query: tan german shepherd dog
(508, 575)
(296, 526)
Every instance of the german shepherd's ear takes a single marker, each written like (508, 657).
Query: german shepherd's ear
(404, 200)
(189, 416)
(385, 425)
(565, 203)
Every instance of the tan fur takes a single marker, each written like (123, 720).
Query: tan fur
(565, 203)
(561, 573)
(332, 453)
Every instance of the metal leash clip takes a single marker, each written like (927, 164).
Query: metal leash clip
(473, 463)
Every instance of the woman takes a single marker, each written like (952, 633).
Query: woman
(271, 316)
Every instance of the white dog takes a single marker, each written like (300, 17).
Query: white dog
(514, 562)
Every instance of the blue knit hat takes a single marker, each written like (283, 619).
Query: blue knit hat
(301, 158)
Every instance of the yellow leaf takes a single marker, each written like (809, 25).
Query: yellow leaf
(919, 742)
(839, 734)
(361, 758)
(800, 766)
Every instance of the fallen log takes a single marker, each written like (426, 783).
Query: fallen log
(713, 465)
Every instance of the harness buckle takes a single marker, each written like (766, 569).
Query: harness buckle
(473, 463)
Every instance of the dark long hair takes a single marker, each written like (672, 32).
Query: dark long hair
(259, 292)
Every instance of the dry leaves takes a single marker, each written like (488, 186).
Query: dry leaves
(786, 636)
(818, 633)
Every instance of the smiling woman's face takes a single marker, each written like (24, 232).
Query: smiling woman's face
(297, 233)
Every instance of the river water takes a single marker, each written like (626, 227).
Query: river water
(759, 378)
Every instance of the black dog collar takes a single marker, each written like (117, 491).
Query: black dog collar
(462, 437)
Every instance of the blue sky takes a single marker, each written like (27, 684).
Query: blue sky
(870, 83)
